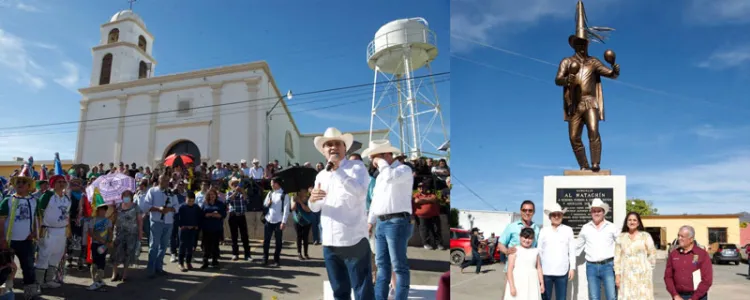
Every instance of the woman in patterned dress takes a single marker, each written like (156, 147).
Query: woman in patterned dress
(635, 259)
(128, 234)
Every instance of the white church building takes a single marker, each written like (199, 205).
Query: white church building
(129, 115)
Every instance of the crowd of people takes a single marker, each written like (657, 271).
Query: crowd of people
(619, 260)
(49, 218)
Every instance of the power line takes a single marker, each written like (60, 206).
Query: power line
(204, 114)
(474, 193)
(224, 104)
(545, 62)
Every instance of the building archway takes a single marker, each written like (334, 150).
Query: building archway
(184, 147)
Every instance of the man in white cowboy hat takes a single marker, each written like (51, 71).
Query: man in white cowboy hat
(256, 172)
(391, 208)
(557, 249)
(597, 238)
(340, 195)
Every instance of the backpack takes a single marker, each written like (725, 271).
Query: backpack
(265, 208)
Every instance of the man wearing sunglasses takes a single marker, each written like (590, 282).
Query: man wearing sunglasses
(511, 236)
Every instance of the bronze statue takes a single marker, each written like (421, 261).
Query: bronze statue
(580, 77)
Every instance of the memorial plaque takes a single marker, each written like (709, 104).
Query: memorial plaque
(577, 201)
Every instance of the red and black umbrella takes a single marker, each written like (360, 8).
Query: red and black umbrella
(178, 160)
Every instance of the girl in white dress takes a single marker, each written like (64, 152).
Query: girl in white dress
(524, 278)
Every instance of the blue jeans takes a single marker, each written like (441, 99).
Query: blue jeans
(157, 246)
(187, 244)
(598, 275)
(391, 239)
(350, 268)
(687, 297)
(559, 284)
(316, 230)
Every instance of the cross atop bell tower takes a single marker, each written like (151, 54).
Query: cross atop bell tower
(131, 3)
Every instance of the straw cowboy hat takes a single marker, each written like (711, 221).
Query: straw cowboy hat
(554, 208)
(600, 204)
(16, 180)
(333, 134)
(379, 147)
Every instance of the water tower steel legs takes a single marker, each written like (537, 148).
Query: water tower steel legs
(415, 148)
(374, 97)
(402, 144)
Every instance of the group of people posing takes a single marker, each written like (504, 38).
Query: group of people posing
(542, 260)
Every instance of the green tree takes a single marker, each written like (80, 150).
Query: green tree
(454, 218)
(642, 207)
(743, 225)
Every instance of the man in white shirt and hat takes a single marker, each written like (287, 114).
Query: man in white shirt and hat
(340, 195)
(597, 238)
(391, 209)
(557, 250)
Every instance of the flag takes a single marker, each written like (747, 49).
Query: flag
(58, 165)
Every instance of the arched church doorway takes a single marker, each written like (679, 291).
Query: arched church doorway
(184, 147)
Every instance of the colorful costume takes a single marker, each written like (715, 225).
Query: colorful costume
(54, 210)
(90, 212)
(20, 223)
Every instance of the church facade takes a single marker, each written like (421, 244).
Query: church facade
(222, 113)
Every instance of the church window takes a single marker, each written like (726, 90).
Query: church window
(104, 76)
(114, 36)
(142, 70)
(288, 146)
(142, 43)
(183, 108)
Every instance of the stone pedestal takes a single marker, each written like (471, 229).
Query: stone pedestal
(574, 191)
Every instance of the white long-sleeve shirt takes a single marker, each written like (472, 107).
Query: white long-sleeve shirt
(557, 249)
(599, 243)
(276, 212)
(393, 190)
(343, 217)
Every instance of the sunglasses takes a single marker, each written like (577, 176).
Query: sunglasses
(527, 210)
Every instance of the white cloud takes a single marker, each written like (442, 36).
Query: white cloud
(726, 58)
(15, 59)
(71, 78)
(27, 7)
(480, 20)
(716, 12)
(721, 133)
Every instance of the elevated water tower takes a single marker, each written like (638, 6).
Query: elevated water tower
(400, 54)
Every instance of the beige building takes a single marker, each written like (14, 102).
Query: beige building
(709, 229)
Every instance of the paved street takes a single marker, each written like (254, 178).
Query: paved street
(236, 280)
(730, 282)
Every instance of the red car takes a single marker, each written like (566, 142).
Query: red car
(461, 247)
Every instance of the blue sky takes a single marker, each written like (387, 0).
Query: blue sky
(677, 118)
(45, 56)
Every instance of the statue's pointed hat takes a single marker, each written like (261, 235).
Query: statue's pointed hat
(583, 31)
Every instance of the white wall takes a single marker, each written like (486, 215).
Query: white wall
(279, 124)
(487, 221)
(135, 131)
(100, 136)
(239, 123)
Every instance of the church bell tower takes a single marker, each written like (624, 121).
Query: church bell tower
(124, 51)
